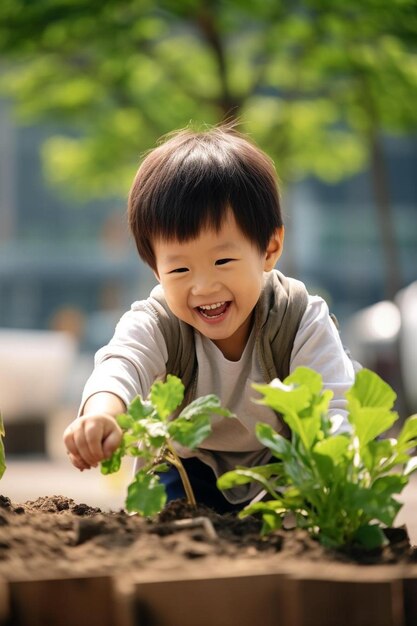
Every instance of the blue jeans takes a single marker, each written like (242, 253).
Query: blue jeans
(203, 482)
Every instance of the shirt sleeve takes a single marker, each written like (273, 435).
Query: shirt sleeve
(134, 358)
(318, 346)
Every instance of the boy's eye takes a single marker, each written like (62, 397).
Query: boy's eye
(223, 261)
(179, 270)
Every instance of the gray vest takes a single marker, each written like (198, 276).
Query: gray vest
(277, 316)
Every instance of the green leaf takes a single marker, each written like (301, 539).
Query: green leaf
(370, 536)
(328, 541)
(378, 452)
(329, 454)
(370, 422)
(205, 405)
(125, 421)
(130, 440)
(374, 505)
(112, 464)
(320, 405)
(156, 431)
(333, 447)
(305, 376)
(370, 400)
(138, 409)
(279, 446)
(243, 475)
(267, 471)
(190, 433)
(134, 451)
(234, 478)
(299, 401)
(161, 467)
(369, 390)
(388, 485)
(272, 513)
(167, 396)
(307, 428)
(282, 398)
(408, 433)
(145, 495)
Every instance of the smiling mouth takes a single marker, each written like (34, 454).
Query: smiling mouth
(213, 311)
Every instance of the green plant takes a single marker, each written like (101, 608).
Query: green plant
(149, 423)
(338, 485)
(2, 453)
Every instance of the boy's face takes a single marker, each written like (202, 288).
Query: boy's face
(214, 281)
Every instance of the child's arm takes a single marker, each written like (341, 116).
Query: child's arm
(126, 367)
(94, 435)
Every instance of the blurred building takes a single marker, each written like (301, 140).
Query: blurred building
(337, 238)
(63, 265)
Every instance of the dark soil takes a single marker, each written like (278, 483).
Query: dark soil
(54, 537)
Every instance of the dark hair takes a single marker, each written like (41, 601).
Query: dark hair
(189, 182)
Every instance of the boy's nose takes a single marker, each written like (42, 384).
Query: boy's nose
(204, 285)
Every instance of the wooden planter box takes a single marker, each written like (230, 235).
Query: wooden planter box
(314, 595)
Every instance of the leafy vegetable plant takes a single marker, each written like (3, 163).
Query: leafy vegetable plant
(340, 486)
(149, 423)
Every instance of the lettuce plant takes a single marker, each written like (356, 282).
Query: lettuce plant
(149, 423)
(340, 486)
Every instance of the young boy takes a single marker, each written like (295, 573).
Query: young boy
(205, 213)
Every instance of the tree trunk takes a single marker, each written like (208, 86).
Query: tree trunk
(381, 191)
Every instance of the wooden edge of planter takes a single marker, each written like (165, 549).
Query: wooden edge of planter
(222, 600)
(384, 594)
(66, 601)
(295, 595)
(410, 596)
(4, 601)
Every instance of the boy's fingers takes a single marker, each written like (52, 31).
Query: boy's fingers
(71, 441)
(77, 461)
(89, 441)
(70, 444)
(82, 447)
(111, 442)
(94, 436)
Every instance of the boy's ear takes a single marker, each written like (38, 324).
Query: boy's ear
(155, 273)
(274, 249)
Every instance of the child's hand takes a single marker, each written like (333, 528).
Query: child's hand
(91, 439)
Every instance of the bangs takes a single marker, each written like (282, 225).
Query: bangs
(178, 192)
(184, 205)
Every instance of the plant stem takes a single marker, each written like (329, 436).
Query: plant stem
(172, 457)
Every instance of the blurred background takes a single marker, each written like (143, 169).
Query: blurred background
(328, 89)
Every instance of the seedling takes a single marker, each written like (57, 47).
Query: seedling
(149, 432)
(338, 485)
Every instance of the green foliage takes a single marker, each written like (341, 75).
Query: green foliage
(149, 433)
(339, 485)
(308, 80)
(2, 453)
